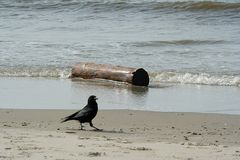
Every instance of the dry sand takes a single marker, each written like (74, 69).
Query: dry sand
(38, 134)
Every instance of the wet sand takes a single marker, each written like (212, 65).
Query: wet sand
(34, 93)
(126, 134)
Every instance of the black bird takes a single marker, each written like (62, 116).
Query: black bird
(86, 114)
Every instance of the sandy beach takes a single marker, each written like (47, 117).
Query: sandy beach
(126, 134)
(190, 110)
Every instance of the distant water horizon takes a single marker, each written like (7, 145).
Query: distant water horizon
(176, 41)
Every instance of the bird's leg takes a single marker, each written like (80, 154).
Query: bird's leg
(81, 126)
(94, 126)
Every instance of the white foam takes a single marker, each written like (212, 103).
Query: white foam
(36, 72)
(196, 78)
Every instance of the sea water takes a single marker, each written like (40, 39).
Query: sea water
(180, 43)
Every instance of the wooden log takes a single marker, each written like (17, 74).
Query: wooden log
(135, 76)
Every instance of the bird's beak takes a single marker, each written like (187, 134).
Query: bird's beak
(96, 98)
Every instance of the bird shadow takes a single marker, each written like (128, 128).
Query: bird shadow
(72, 131)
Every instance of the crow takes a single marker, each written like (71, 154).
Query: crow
(86, 114)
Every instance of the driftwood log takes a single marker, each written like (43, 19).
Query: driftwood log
(135, 76)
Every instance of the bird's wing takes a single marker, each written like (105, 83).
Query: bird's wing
(85, 112)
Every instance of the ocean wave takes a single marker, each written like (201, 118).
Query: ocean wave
(113, 5)
(195, 78)
(35, 72)
(176, 42)
(202, 5)
(156, 78)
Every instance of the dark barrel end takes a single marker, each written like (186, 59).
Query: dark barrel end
(140, 77)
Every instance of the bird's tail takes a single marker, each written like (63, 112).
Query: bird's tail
(65, 119)
(71, 117)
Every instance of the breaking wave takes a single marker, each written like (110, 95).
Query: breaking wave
(35, 72)
(155, 78)
(195, 78)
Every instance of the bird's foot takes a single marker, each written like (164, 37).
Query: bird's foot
(97, 129)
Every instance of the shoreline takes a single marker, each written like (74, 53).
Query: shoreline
(67, 94)
(28, 133)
